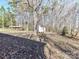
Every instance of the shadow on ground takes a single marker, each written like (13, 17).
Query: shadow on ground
(12, 47)
(65, 47)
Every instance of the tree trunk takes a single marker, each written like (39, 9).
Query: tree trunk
(2, 21)
(35, 22)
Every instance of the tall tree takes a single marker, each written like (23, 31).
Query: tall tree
(2, 11)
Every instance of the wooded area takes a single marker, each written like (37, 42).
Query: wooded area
(54, 15)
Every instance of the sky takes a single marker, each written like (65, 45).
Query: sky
(4, 3)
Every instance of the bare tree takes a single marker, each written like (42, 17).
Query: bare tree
(56, 13)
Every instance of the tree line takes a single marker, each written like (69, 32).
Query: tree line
(55, 15)
(6, 17)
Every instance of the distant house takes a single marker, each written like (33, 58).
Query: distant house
(41, 28)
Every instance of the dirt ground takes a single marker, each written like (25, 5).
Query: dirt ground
(62, 47)
(57, 46)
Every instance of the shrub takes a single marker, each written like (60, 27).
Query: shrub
(65, 31)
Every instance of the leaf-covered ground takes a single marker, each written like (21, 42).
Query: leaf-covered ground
(56, 47)
(61, 47)
(12, 47)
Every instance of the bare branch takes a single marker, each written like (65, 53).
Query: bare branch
(38, 5)
(29, 4)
